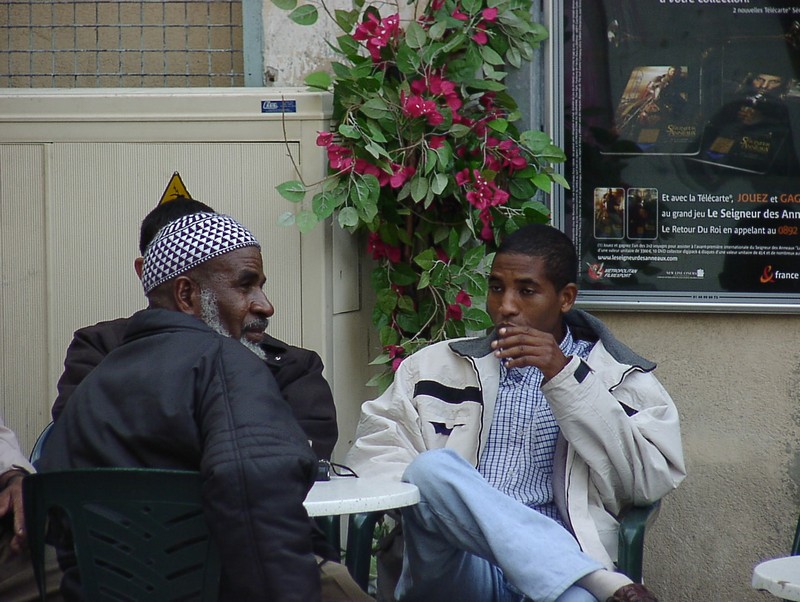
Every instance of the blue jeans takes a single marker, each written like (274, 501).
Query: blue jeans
(466, 541)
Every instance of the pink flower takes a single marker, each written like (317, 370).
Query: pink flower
(401, 174)
(480, 37)
(377, 33)
(339, 157)
(382, 250)
(436, 142)
(489, 14)
(416, 106)
(441, 255)
(464, 299)
(454, 312)
(463, 177)
(396, 353)
(457, 14)
(324, 138)
(363, 166)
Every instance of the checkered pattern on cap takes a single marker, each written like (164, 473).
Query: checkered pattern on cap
(189, 241)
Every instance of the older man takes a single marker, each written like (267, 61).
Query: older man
(298, 371)
(187, 389)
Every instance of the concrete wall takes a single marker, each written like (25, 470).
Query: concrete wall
(736, 381)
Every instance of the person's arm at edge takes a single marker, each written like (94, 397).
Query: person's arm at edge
(87, 349)
(13, 467)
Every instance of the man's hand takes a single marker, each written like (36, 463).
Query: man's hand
(519, 346)
(11, 503)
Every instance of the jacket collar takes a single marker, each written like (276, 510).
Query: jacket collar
(584, 326)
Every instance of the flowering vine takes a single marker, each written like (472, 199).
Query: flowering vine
(424, 157)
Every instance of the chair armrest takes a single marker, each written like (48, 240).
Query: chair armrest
(632, 525)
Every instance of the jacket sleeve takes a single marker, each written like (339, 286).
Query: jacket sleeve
(88, 348)
(11, 455)
(628, 434)
(388, 435)
(257, 468)
(309, 395)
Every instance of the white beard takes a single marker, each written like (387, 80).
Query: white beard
(209, 313)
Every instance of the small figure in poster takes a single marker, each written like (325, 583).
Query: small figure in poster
(642, 212)
(609, 210)
(654, 110)
(752, 131)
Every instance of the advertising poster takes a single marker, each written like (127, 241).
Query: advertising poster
(682, 129)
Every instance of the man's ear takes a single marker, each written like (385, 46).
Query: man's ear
(138, 264)
(568, 295)
(186, 295)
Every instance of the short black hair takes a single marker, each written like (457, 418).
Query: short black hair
(552, 245)
(166, 213)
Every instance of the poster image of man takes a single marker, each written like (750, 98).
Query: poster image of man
(642, 212)
(751, 131)
(654, 109)
(609, 213)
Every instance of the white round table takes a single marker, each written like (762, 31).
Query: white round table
(352, 495)
(780, 577)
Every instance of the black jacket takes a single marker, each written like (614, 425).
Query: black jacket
(297, 370)
(178, 395)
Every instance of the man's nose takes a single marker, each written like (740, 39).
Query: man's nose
(508, 305)
(261, 305)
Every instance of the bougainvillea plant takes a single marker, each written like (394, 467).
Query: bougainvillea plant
(424, 157)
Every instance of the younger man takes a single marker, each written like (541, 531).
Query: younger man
(525, 444)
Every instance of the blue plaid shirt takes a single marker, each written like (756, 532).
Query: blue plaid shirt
(518, 456)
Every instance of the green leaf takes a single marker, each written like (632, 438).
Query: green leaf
(381, 381)
(383, 358)
(285, 4)
(319, 79)
(419, 188)
(498, 125)
(445, 155)
(425, 259)
(348, 46)
(286, 219)
(459, 131)
(424, 280)
(306, 220)
(439, 183)
(408, 322)
(349, 131)
(559, 179)
(305, 14)
(437, 30)
(415, 35)
(376, 108)
(522, 188)
(293, 190)
(376, 132)
(490, 56)
(535, 140)
(348, 217)
(388, 336)
(323, 205)
(346, 19)
(405, 303)
(408, 60)
(386, 300)
(476, 319)
(514, 58)
(376, 150)
(542, 182)
(402, 274)
(471, 7)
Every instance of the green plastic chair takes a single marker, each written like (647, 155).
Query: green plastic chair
(633, 524)
(139, 534)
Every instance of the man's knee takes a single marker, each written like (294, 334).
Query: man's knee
(433, 468)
